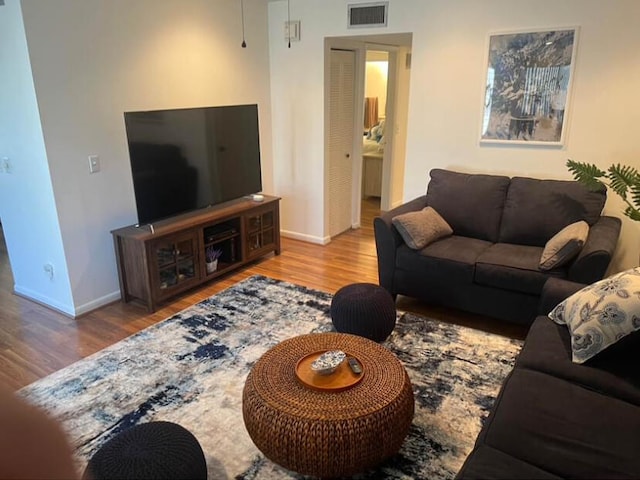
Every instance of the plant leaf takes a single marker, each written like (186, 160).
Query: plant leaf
(622, 178)
(586, 173)
(632, 213)
(635, 195)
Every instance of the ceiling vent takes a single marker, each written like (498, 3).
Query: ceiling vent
(368, 14)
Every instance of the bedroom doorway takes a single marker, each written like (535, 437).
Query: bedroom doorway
(373, 141)
(378, 174)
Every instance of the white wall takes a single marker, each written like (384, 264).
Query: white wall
(94, 59)
(445, 104)
(27, 207)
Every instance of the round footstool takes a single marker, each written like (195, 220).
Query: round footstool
(325, 433)
(155, 450)
(364, 309)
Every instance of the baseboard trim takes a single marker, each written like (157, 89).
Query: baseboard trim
(305, 238)
(97, 303)
(43, 300)
(71, 312)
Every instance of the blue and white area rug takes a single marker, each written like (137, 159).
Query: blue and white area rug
(190, 369)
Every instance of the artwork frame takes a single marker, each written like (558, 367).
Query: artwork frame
(527, 88)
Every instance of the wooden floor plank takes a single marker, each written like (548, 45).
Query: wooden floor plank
(36, 341)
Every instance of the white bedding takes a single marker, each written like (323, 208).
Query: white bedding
(373, 143)
(371, 147)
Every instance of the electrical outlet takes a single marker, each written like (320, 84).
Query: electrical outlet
(94, 163)
(5, 165)
(48, 269)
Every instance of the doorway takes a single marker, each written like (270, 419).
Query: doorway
(379, 114)
(374, 137)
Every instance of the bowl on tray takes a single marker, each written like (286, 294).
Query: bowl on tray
(328, 362)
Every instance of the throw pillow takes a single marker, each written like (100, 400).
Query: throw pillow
(601, 314)
(419, 229)
(564, 245)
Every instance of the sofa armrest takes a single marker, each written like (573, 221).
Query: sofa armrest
(388, 240)
(554, 291)
(591, 265)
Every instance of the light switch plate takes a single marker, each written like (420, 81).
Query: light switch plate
(94, 163)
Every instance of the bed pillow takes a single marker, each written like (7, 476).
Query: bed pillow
(419, 229)
(601, 314)
(564, 245)
(380, 132)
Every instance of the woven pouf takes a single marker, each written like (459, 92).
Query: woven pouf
(364, 309)
(155, 450)
(325, 432)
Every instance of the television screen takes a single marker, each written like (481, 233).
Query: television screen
(192, 158)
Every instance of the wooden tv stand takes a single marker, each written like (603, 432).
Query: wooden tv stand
(160, 260)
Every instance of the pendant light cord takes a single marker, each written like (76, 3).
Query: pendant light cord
(289, 21)
(244, 44)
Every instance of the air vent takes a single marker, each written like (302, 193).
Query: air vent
(368, 14)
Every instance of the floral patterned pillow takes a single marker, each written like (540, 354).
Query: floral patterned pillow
(601, 314)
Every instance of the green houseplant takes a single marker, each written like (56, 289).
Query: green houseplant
(622, 179)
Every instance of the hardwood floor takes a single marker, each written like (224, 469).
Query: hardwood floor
(36, 341)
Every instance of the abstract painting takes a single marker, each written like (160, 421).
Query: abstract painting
(527, 88)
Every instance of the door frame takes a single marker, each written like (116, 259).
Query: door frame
(360, 46)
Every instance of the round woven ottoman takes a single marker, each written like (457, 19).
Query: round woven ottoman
(155, 450)
(364, 309)
(327, 434)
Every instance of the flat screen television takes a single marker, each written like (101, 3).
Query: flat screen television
(191, 158)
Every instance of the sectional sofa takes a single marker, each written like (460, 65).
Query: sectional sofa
(555, 418)
(489, 261)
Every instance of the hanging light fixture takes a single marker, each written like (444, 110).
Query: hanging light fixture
(244, 44)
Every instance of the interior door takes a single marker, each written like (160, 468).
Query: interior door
(341, 134)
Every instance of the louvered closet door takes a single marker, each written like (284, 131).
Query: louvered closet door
(341, 98)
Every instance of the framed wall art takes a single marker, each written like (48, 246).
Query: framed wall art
(528, 84)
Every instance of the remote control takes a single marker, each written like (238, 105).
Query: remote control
(355, 366)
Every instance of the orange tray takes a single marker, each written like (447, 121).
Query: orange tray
(342, 379)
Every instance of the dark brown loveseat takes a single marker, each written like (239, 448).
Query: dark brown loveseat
(500, 226)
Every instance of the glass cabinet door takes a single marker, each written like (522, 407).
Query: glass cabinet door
(176, 259)
(260, 232)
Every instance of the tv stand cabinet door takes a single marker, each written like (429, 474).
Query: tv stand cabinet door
(262, 231)
(175, 263)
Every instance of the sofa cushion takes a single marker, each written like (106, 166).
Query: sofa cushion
(419, 229)
(601, 314)
(452, 258)
(563, 428)
(564, 245)
(512, 267)
(535, 210)
(471, 204)
(614, 372)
